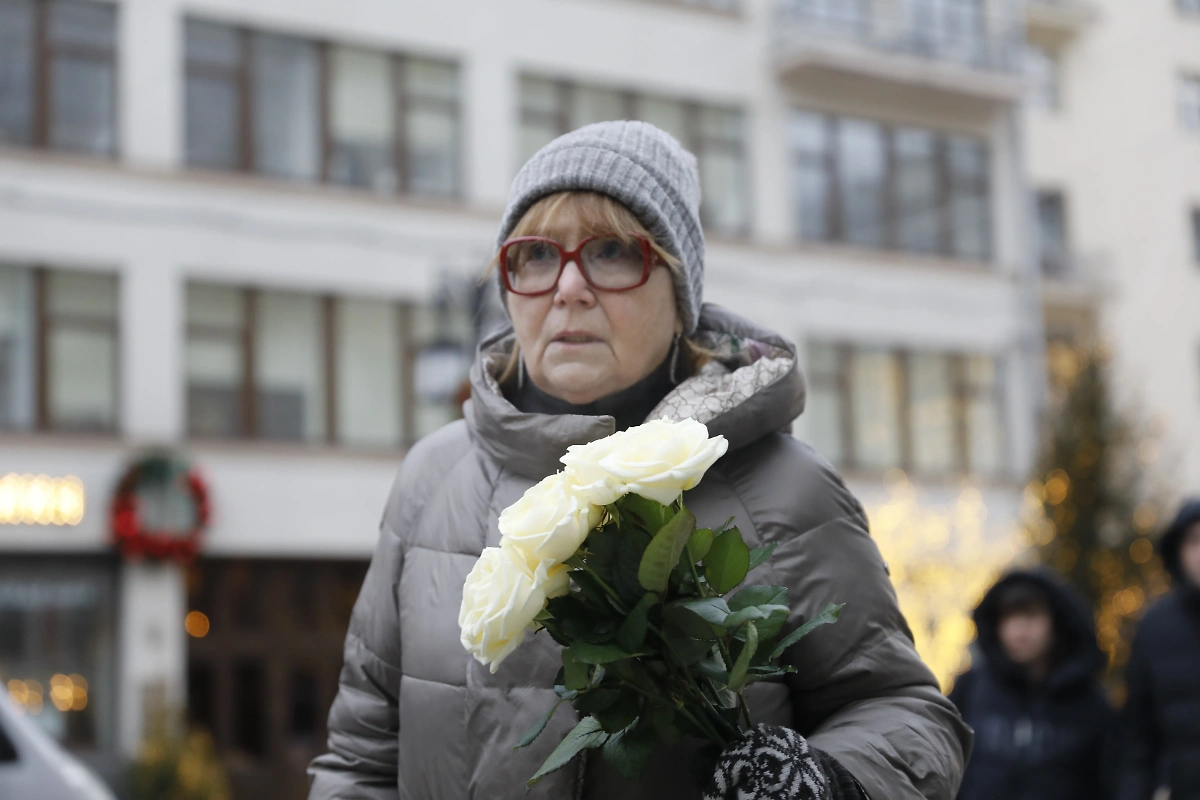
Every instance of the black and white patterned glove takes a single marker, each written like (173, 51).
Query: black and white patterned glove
(774, 763)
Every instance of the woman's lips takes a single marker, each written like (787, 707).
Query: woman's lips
(575, 338)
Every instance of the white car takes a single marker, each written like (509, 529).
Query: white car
(34, 767)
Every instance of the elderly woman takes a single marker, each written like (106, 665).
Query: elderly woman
(601, 265)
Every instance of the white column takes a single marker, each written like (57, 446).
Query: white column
(151, 82)
(152, 331)
(491, 120)
(153, 651)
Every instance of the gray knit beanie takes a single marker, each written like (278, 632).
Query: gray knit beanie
(642, 167)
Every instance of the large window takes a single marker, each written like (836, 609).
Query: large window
(1189, 102)
(316, 368)
(715, 134)
(58, 75)
(873, 185)
(298, 109)
(58, 647)
(58, 350)
(933, 414)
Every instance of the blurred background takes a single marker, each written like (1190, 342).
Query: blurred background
(240, 243)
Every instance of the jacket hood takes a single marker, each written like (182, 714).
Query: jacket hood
(1080, 656)
(752, 388)
(1172, 539)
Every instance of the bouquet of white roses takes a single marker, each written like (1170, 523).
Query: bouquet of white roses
(607, 560)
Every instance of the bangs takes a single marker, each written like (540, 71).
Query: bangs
(597, 215)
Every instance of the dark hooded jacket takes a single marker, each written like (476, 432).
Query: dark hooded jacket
(1051, 740)
(1162, 716)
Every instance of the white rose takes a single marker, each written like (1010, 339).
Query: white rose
(549, 522)
(658, 460)
(501, 596)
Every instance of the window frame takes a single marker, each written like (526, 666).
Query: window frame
(947, 187)
(403, 100)
(840, 382)
(44, 54)
(696, 139)
(246, 339)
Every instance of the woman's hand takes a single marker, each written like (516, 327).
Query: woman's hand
(775, 763)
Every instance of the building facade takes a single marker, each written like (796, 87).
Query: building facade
(248, 233)
(1114, 157)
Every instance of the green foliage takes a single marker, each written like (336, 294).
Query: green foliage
(170, 766)
(657, 645)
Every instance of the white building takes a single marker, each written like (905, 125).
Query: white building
(1114, 153)
(225, 226)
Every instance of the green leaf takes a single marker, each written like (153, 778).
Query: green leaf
(588, 653)
(713, 670)
(759, 555)
(828, 616)
(698, 617)
(620, 714)
(699, 544)
(649, 514)
(602, 545)
(629, 561)
(726, 525)
(688, 648)
(629, 751)
(727, 562)
(585, 736)
(662, 718)
(737, 676)
(663, 552)
(575, 672)
(591, 702)
(632, 632)
(770, 617)
(535, 730)
(759, 595)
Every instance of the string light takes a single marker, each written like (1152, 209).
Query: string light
(41, 500)
(942, 560)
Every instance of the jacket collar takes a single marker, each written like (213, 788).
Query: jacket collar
(752, 388)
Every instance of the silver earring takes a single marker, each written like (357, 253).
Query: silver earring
(674, 359)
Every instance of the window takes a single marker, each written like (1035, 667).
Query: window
(56, 646)
(1053, 251)
(58, 75)
(1196, 235)
(716, 135)
(932, 413)
(1188, 6)
(58, 350)
(1189, 102)
(872, 185)
(1045, 83)
(303, 110)
(313, 368)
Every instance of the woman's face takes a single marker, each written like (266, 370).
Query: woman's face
(579, 343)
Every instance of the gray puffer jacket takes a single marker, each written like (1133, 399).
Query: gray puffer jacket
(416, 717)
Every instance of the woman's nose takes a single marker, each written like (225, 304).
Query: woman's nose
(572, 286)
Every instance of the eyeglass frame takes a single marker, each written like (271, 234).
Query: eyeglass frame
(649, 262)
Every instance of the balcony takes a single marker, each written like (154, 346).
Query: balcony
(1052, 23)
(948, 48)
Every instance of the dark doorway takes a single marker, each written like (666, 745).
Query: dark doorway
(263, 675)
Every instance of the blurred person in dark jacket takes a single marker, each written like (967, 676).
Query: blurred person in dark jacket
(1162, 716)
(1043, 726)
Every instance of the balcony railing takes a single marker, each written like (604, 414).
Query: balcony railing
(955, 32)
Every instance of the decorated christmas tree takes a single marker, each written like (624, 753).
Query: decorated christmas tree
(1091, 518)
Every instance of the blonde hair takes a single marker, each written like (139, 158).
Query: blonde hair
(597, 215)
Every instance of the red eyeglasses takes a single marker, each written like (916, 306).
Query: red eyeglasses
(532, 265)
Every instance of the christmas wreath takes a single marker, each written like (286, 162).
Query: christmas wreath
(134, 535)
